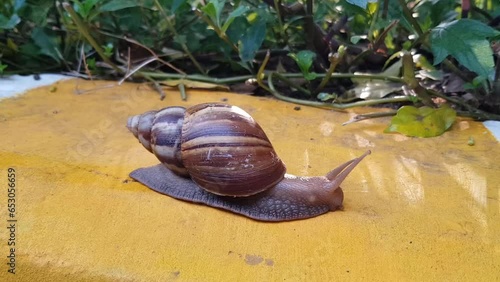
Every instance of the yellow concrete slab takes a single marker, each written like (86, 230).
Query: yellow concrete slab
(416, 209)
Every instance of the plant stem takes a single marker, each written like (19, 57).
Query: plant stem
(472, 112)
(479, 115)
(381, 38)
(373, 21)
(334, 60)
(282, 31)
(155, 56)
(222, 35)
(157, 87)
(85, 32)
(260, 73)
(385, 9)
(455, 70)
(198, 77)
(184, 47)
(291, 83)
(412, 82)
(410, 18)
(370, 116)
(182, 91)
(331, 105)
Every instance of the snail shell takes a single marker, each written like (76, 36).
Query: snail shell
(219, 146)
(226, 153)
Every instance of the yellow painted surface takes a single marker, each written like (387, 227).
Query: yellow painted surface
(416, 209)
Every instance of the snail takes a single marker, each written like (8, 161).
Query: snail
(216, 154)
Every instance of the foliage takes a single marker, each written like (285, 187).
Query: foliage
(465, 40)
(304, 60)
(216, 39)
(422, 122)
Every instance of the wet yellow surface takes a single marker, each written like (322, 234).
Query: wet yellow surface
(415, 209)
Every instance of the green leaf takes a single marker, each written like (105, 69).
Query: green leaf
(359, 3)
(2, 67)
(115, 5)
(7, 22)
(466, 41)
(91, 63)
(310, 75)
(214, 9)
(325, 96)
(356, 38)
(471, 141)
(10, 23)
(180, 39)
(432, 13)
(237, 29)
(108, 49)
(251, 41)
(422, 122)
(85, 7)
(372, 89)
(176, 5)
(234, 14)
(47, 43)
(18, 4)
(305, 59)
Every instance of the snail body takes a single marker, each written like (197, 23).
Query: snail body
(216, 154)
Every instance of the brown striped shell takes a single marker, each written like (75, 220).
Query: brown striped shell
(220, 146)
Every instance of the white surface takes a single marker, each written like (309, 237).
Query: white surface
(494, 127)
(17, 84)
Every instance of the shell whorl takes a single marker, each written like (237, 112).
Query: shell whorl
(220, 146)
(227, 153)
(160, 133)
(166, 137)
(140, 126)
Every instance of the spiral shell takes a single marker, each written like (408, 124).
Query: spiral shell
(160, 133)
(220, 146)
